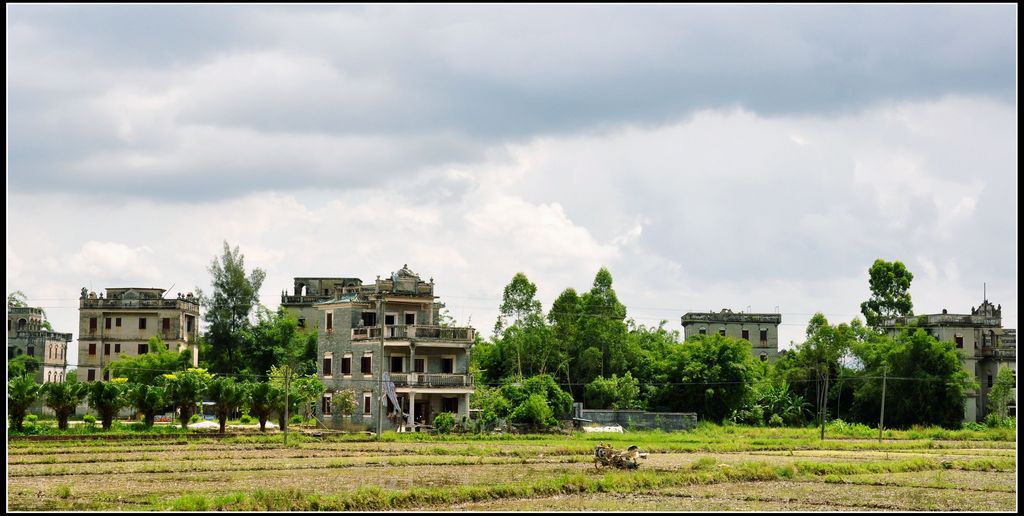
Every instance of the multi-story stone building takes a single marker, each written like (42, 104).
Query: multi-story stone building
(122, 323)
(26, 335)
(314, 290)
(760, 330)
(391, 325)
(980, 340)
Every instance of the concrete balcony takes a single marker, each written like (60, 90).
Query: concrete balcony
(417, 332)
(431, 380)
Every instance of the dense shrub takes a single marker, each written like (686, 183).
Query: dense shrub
(444, 422)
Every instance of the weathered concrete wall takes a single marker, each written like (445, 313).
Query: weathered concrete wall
(640, 420)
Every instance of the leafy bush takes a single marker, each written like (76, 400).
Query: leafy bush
(246, 419)
(295, 420)
(194, 419)
(90, 420)
(534, 411)
(31, 418)
(444, 422)
(977, 427)
(775, 420)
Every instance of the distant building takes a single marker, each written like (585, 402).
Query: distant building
(428, 364)
(122, 323)
(27, 336)
(760, 330)
(983, 344)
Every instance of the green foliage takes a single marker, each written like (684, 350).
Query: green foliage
(22, 393)
(261, 400)
(534, 411)
(890, 296)
(775, 420)
(1001, 393)
(616, 393)
(147, 368)
(107, 398)
(444, 422)
(195, 418)
(227, 310)
(295, 420)
(148, 400)
(185, 389)
(63, 397)
(714, 373)
(89, 420)
(228, 397)
(343, 403)
(276, 340)
(22, 365)
(246, 419)
(926, 382)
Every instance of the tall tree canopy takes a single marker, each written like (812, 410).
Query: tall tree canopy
(890, 296)
(227, 310)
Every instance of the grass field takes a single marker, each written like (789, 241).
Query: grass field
(711, 468)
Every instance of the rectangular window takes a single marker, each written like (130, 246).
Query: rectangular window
(450, 405)
(92, 375)
(959, 339)
(142, 323)
(117, 322)
(106, 348)
(703, 331)
(764, 337)
(330, 322)
(448, 365)
(31, 351)
(143, 349)
(366, 403)
(106, 376)
(325, 405)
(721, 331)
(410, 318)
(346, 365)
(327, 366)
(420, 365)
(106, 323)
(746, 334)
(302, 322)
(366, 364)
(117, 348)
(166, 324)
(396, 364)
(389, 320)
(990, 381)
(188, 324)
(369, 318)
(92, 348)
(92, 324)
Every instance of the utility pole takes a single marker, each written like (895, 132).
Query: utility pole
(824, 405)
(380, 366)
(881, 414)
(287, 378)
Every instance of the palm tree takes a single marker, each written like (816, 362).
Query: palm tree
(107, 398)
(63, 397)
(148, 400)
(22, 392)
(228, 396)
(262, 399)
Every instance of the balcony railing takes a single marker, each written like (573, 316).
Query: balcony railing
(989, 351)
(432, 380)
(418, 332)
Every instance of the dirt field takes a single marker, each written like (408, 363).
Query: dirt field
(478, 474)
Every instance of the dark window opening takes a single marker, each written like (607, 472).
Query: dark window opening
(142, 323)
(448, 365)
(166, 324)
(106, 348)
(31, 351)
(410, 318)
(188, 324)
(764, 337)
(117, 348)
(703, 331)
(746, 334)
(366, 365)
(990, 381)
(366, 404)
(92, 324)
(327, 367)
(106, 376)
(106, 323)
(92, 375)
(959, 339)
(302, 322)
(396, 364)
(420, 365)
(325, 406)
(369, 318)
(721, 331)
(346, 365)
(117, 322)
(330, 322)
(92, 348)
(143, 349)
(450, 405)
(389, 320)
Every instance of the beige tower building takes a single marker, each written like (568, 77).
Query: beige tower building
(121, 324)
(760, 330)
(27, 336)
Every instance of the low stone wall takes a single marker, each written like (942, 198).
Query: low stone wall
(640, 420)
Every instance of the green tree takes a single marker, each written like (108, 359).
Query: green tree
(107, 398)
(22, 365)
(262, 399)
(276, 339)
(148, 400)
(925, 381)
(22, 392)
(890, 296)
(534, 411)
(63, 397)
(603, 329)
(308, 389)
(713, 373)
(185, 389)
(227, 396)
(820, 356)
(343, 403)
(1001, 393)
(523, 342)
(148, 367)
(616, 393)
(227, 310)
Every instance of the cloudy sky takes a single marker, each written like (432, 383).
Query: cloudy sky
(758, 158)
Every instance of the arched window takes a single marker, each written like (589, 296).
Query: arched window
(21, 324)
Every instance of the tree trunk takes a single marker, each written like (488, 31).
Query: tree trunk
(263, 422)
(62, 420)
(107, 419)
(186, 414)
(223, 422)
(150, 419)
